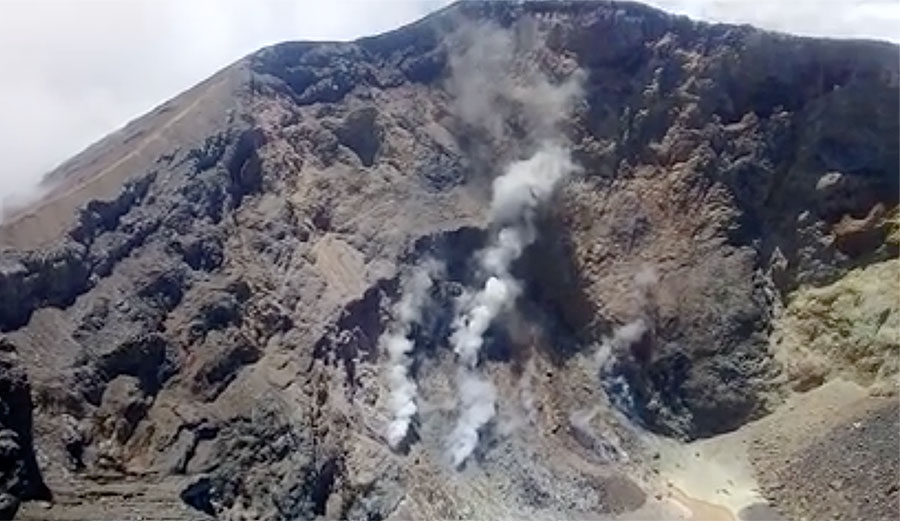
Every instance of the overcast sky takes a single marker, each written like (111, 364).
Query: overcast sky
(76, 70)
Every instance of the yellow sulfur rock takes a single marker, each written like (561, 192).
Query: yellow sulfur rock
(848, 328)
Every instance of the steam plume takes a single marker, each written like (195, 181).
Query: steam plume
(606, 444)
(499, 77)
(517, 195)
(581, 419)
(630, 333)
(626, 336)
(526, 393)
(478, 399)
(398, 345)
(491, 86)
(645, 279)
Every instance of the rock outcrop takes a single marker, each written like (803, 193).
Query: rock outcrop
(20, 478)
(205, 326)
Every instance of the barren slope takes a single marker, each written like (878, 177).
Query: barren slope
(198, 300)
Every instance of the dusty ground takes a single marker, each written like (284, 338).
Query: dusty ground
(830, 452)
(837, 461)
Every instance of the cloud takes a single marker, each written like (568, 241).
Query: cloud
(872, 19)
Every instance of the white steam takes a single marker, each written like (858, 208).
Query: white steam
(517, 195)
(398, 345)
(645, 279)
(492, 83)
(501, 86)
(631, 332)
(526, 394)
(478, 399)
(469, 329)
(581, 419)
(527, 184)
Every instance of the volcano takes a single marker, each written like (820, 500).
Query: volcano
(540, 260)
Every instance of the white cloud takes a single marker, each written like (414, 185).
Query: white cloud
(874, 19)
(76, 70)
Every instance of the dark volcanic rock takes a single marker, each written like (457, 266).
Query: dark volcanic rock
(262, 447)
(20, 478)
(48, 278)
(361, 133)
(224, 355)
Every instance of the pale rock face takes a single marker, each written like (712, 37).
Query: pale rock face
(850, 327)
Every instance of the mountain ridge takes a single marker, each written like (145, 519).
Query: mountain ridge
(425, 24)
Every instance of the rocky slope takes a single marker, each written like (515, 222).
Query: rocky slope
(197, 301)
